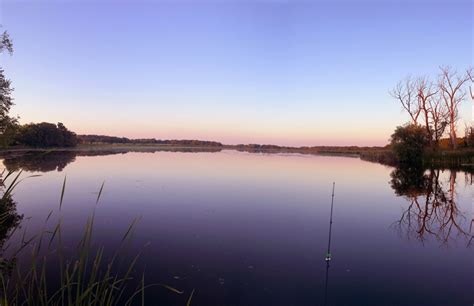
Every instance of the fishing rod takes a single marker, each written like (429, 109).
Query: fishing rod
(328, 254)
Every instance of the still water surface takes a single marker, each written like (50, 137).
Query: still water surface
(252, 229)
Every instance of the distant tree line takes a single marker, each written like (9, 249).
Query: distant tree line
(102, 139)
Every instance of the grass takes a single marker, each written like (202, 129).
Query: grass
(86, 276)
(461, 158)
(447, 158)
(385, 157)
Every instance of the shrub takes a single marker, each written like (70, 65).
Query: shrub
(408, 143)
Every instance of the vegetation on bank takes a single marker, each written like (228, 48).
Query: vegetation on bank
(409, 146)
(433, 109)
(461, 158)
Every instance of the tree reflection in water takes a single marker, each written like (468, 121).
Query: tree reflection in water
(46, 161)
(9, 221)
(432, 209)
(40, 162)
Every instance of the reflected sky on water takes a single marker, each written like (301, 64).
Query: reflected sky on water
(252, 229)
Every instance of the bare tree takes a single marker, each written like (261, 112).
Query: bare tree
(438, 116)
(405, 93)
(451, 88)
(425, 92)
(470, 74)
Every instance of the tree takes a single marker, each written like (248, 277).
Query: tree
(6, 100)
(470, 74)
(46, 135)
(470, 129)
(408, 143)
(439, 118)
(69, 138)
(405, 93)
(425, 92)
(469, 135)
(451, 88)
(7, 137)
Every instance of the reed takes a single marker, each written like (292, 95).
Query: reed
(86, 275)
(462, 158)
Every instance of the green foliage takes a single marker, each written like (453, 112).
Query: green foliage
(6, 100)
(45, 135)
(408, 143)
(10, 130)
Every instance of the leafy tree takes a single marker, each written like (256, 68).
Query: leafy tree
(6, 100)
(408, 143)
(46, 134)
(7, 137)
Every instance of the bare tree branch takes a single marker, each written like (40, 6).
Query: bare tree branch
(451, 88)
(405, 93)
(470, 74)
(426, 91)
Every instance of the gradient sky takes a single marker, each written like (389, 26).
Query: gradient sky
(282, 72)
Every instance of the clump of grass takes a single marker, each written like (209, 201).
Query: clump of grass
(86, 277)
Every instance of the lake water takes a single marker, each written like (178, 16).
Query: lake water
(252, 229)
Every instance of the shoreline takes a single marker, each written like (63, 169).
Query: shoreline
(347, 151)
(462, 158)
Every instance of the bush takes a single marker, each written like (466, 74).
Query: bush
(408, 143)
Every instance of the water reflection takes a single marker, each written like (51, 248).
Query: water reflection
(40, 162)
(247, 229)
(432, 209)
(9, 221)
(47, 161)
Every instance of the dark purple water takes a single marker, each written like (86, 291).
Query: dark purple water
(252, 229)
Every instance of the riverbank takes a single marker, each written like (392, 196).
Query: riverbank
(122, 148)
(444, 158)
(440, 159)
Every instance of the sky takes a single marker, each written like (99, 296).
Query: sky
(276, 72)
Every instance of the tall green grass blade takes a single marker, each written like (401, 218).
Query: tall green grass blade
(12, 185)
(190, 298)
(171, 288)
(100, 192)
(62, 193)
(85, 279)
